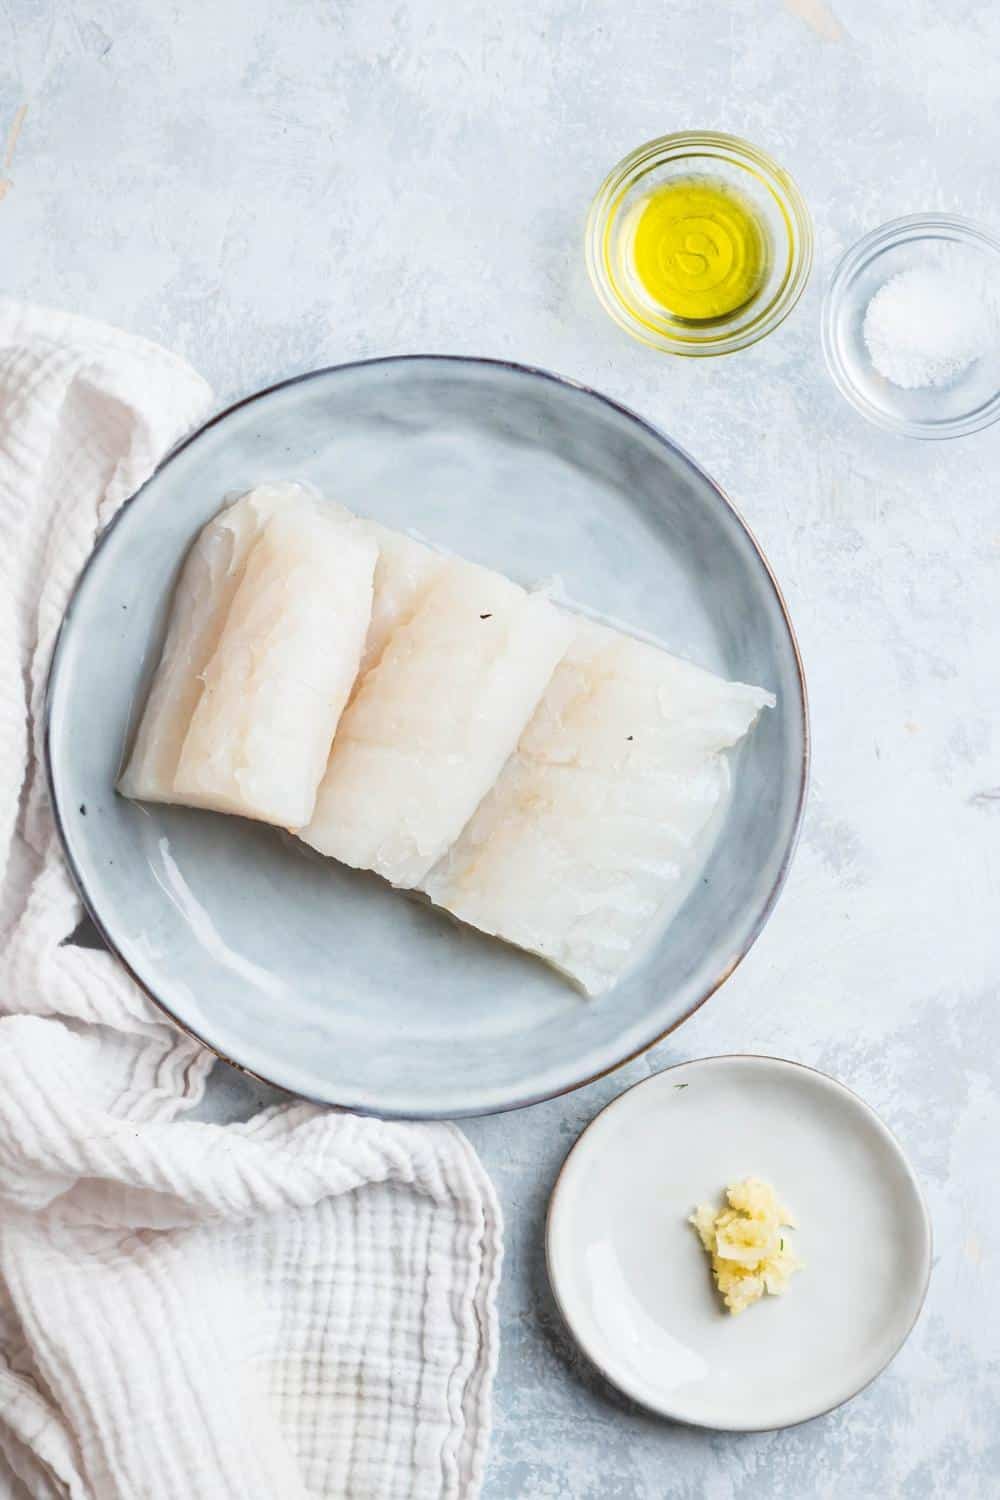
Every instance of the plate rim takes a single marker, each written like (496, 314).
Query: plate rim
(828, 1080)
(660, 437)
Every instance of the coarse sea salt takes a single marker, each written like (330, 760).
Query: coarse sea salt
(928, 324)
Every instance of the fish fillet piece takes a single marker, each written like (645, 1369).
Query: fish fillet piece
(595, 821)
(282, 671)
(403, 574)
(201, 602)
(432, 724)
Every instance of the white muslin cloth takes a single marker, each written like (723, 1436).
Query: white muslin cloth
(303, 1305)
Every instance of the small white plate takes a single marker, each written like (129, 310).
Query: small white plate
(634, 1284)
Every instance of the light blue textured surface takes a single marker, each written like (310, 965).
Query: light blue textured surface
(267, 188)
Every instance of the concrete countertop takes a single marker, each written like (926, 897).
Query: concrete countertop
(269, 188)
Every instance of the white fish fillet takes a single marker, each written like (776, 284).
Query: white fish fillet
(432, 724)
(201, 602)
(576, 851)
(284, 666)
(403, 574)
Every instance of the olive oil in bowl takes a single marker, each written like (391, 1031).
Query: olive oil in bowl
(698, 243)
(698, 248)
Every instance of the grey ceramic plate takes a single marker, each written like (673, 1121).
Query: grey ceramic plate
(323, 980)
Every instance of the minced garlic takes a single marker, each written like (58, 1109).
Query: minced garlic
(749, 1250)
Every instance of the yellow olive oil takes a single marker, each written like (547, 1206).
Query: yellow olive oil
(698, 248)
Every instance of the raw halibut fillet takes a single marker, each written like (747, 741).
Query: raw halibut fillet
(204, 593)
(433, 723)
(284, 666)
(403, 574)
(577, 850)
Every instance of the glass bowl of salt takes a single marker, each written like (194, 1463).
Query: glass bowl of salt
(911, 326)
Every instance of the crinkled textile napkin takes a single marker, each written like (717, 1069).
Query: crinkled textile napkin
(298, 1306)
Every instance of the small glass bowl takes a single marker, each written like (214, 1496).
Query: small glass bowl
(769, 191)
(967, 403)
